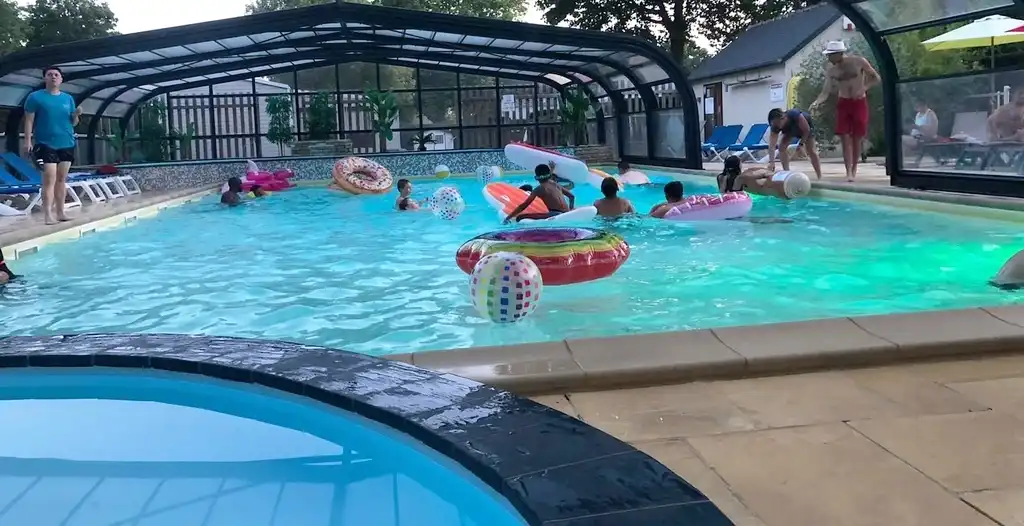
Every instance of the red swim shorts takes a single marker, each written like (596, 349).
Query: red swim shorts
(852, 117)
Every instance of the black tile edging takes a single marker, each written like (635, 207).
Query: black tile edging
(555, 469)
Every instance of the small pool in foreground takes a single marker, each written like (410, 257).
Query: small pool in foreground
(312, 266)
(111, 448)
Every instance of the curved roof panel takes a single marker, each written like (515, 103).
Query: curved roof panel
(130, 67)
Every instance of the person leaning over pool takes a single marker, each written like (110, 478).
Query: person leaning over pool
(551, 193)
(673, 197)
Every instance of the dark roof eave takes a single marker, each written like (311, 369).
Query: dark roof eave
(733, 71)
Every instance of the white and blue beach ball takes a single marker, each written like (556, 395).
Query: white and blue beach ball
(488, 174)
(505, 287)
(447, 203)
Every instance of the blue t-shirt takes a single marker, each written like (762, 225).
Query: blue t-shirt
(52, 126)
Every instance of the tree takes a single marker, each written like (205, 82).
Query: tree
(12, 27)
(671, 23)
(58, 21)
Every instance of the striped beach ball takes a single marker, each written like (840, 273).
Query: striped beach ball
(441, 171)
(505, 287)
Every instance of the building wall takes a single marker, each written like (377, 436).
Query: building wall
(747, 96)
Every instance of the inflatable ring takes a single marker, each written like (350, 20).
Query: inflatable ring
(357, 175)
(563, 255)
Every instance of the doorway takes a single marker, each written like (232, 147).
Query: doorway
(712, 108)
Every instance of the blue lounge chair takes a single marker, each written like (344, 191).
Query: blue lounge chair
(720, 140)
(12, 186)
(96, 188)
(752, 142)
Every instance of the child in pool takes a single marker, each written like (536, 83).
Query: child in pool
(404, 202)
(551, 193)
(673, 197)
(612, 205)
(735, 179)
(233, 195)
(5, 272)
(257, 191)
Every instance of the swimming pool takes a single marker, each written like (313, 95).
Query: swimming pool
(106, 447)
(311, 266)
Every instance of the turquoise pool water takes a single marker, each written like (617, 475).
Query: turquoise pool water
(123, 449)
(312, 266)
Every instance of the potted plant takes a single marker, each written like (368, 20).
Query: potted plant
(421, 141)
(321, 116)
(383, 111)
(279, 129)
(573, 116)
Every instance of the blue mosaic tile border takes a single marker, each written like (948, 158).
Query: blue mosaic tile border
(173, 176)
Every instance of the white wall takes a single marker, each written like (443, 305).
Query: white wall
(746, 97)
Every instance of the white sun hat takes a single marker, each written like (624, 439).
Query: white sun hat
(834, 46)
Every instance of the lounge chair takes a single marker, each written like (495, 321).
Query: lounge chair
(97, 189)
(720, 140)
(32, 193)
(752, 142)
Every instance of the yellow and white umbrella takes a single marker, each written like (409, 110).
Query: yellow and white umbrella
(990, 32)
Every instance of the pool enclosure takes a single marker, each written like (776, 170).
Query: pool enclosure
(458, 83)
(961, 60)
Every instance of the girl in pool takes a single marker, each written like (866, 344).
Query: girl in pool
(735, 179)
(404, 201)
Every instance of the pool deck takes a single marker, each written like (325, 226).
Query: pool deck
(928, 444)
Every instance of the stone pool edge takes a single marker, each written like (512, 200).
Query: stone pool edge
(555, 469)
(733, 352)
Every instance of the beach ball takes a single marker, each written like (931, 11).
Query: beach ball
(487, 174)
(505, 287)
(447, 203)
(441, 171)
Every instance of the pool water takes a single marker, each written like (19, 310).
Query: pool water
(312, 266)
(124, 449)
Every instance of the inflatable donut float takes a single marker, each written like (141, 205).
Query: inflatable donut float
(563, 255)
(358, 175)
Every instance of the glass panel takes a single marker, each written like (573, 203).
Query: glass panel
(668, 96)
(469, 81)
(437, 79)
(964, 125)
(353, 118)
(236, 147)
(611, 132)
(363, 142)
(517, 105)
(636, 135)
(548, 102)
(634, 104)
(671, 134)
(408, 110)
(915, 59)
(549, 135)
(516, 133)
(440, 108)
(479, 107)
(397, 77)
(442, 139)
(479, 138)
(888, 14)
(357, 76)
(513, 82)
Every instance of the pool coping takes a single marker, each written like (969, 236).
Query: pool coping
(556, 470)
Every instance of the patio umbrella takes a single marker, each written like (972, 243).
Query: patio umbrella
(990, 32)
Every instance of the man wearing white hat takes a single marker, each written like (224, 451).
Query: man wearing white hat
(851, 77)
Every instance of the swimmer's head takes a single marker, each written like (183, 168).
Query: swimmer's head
(674, 191)
(542, 172)
(235, 184)
(526, 188)
(609, 187)
(623, 167)
(733, 166)
(404, 186)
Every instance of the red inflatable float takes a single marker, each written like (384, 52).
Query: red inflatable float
(563, 255)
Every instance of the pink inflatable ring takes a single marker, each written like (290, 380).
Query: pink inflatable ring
(711, 207)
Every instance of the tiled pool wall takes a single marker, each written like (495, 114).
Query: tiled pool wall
(172, 176)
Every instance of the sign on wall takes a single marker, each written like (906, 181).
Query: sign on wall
(776, 93)
(508, 103)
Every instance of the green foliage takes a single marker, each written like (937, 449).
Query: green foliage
(152, 132)
(181, 142)
(279, 129)
(505, 9)
(321, 116)
(572, 114)
(12, 27)
(383, 111)
(421, 140)
(51, 22)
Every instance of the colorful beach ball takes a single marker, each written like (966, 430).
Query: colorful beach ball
(447, 203)
(505, 287)
(488, 174)
(441, 171)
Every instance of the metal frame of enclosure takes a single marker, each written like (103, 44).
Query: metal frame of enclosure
(113, 76)
(878, 28)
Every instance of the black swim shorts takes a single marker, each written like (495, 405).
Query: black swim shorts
(43, 154)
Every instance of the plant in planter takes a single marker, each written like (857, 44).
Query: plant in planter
(573, 116)
(383, 111)
(152, 132)
(422, 140)
(279, 129)
(181, 142)
(321, 116)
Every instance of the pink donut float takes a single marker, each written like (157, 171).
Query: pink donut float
(711, 207)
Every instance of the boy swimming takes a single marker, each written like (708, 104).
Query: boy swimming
(233, 195)
(612, 205)
(673, 197)
(551, 193)
(404, 202)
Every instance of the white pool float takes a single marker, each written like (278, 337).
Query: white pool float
(566, 167)
(583, 213)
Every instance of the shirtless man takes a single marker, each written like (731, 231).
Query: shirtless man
(611, 205)
(851, 77)
(551, 193)
(1007, 122)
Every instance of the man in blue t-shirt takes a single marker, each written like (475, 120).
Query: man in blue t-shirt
(791, 124)
(50, 120)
